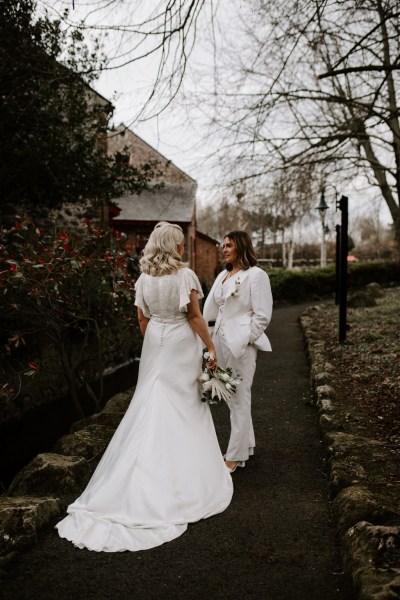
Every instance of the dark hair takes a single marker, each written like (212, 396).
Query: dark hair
(246, 255)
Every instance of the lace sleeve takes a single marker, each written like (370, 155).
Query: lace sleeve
(139, 299)
(189, 281)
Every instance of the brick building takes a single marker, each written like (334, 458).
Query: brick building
(175, 202)
(207, 259)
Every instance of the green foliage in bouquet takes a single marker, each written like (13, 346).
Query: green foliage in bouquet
(217, 384)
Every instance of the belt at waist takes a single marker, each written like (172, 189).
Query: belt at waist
(176, 319)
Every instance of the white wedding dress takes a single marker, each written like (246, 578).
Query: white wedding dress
(163, 467)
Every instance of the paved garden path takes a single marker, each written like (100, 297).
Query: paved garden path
(276, 540)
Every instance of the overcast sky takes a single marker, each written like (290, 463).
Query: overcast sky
(183, 132)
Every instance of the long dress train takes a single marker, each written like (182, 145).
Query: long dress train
(163, 467)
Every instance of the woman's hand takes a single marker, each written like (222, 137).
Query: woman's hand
(212, 364)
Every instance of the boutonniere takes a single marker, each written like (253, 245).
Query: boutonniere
(236, 289)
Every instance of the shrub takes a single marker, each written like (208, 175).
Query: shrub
(64, 292)
(302, 286)
(383, 272)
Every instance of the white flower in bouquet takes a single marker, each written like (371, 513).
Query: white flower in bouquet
(206, 386)
(216, 384)
(204, 377)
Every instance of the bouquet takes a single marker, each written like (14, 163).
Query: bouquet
(216, 384)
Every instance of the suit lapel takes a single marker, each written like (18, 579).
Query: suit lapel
(243, 275)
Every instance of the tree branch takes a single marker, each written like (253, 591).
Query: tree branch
(360, 69)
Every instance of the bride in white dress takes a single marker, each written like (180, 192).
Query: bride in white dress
(163, 467)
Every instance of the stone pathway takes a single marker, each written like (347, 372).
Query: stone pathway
(276, 541)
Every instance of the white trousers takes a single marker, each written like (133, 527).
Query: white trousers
(242, 441)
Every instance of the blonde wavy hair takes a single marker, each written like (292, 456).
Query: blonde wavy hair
(160, 255)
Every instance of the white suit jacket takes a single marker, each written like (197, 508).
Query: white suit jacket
(246, 313)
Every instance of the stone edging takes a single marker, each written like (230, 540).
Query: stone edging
(365, 504)
(41, 491)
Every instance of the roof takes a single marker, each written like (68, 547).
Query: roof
(207, 238)
(157, 153)
(170, 203)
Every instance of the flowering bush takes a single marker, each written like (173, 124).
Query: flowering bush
(67, 289)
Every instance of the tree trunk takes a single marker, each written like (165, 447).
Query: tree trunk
(284, 256)
(380, 176)
(291, 247)
(69, 374)
(393, 121)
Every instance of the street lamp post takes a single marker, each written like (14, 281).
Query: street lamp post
(341, 256)
(322, 208)
(343, 206)
(337, 264)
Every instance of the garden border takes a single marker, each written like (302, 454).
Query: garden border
(366, 506)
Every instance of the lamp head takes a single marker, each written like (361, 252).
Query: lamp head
(322, 206)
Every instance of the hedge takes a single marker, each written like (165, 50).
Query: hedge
(315, 284)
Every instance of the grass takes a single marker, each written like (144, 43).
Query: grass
(367, 366)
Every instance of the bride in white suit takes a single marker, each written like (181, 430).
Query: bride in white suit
(238, 309)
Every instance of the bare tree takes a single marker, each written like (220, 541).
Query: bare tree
(374, 239)
(230, 210)
(318, 87)
(279, 211)
(271, 212)
(312, 82)
(138, 30)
